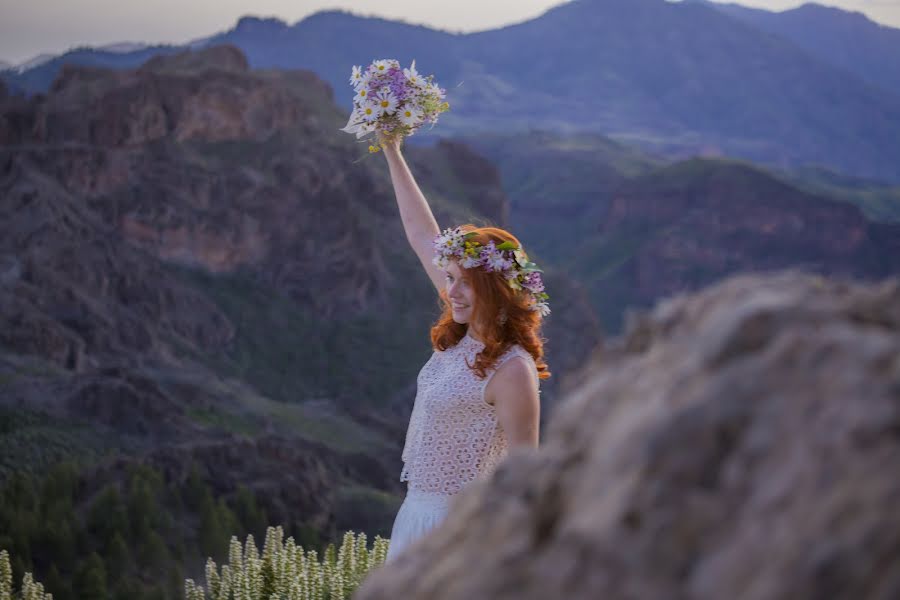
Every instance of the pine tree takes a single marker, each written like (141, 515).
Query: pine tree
(90, 580)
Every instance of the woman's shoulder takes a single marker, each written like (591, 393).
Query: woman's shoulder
(515, 370)
(516, 350)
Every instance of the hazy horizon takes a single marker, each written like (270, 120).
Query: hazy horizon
(43, 26)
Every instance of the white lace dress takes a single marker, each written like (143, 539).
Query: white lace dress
(452, 439)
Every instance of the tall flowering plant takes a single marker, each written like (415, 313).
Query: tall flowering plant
(392, 102)
(30, 590)
(285, 571)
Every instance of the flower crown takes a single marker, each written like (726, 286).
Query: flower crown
(506, 258)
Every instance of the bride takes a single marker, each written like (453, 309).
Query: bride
(478, 394)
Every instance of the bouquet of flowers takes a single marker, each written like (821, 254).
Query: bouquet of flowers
(392, 102)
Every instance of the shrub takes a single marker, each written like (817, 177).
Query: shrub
(287, 572)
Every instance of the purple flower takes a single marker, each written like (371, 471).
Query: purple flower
(533, 282)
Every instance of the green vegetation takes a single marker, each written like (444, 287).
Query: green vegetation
(291, 354)
(31, 441)
(285, 570)
(356, 504)
(878, 201)
(126, 540)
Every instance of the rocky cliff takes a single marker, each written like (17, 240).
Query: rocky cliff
(733, 443)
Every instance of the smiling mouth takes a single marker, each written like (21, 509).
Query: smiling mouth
(459, 306)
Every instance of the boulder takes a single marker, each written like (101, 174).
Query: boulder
(740, 442)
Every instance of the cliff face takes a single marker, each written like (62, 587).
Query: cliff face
(197, 161)
(200, 162)
(731, 445)
(165, 98)
(699, 222)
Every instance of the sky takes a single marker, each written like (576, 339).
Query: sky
(32, 27)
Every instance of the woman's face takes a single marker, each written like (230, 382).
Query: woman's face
(460, 293)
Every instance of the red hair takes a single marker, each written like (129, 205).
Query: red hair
(493, 295)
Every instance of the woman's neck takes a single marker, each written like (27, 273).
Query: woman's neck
(472, 332)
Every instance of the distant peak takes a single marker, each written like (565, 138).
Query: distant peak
(122, 47)
(335, 15)
(814, 8)
(225, 57)
(251, 24)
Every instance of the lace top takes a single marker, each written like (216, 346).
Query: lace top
(453, 435)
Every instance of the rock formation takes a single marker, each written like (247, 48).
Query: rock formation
(736, 443)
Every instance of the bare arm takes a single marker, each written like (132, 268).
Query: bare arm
(513, 390)
(418, 221)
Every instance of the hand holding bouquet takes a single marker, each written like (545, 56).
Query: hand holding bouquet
(392, 102)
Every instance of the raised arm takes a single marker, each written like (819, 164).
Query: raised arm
(418, 221)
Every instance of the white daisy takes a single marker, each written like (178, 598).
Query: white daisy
(363, 95)
(412, 76)
(435, 90)
(541, 307)
(387, 103)
(410, 115)
(369, 111)
(381, 66)
(356, 77)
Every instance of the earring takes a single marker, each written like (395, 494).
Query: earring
(502, 317)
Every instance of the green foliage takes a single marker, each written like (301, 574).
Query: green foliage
(286, 571)
(248, 511)
(289, 352)
(110, 543)
(216, 521)
(90, 579)
(118, 553)
(33, 442)
(878, 201)
(107, 516)
(153, 552)
(354, 504)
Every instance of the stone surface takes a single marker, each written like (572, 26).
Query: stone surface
(741, 442)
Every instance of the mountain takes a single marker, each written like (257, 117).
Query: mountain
(123, 47)
(34, 62)
(634, 229)
(878, 201)
(210, 320)
(679, 79)
(844, 39)
(39, 77)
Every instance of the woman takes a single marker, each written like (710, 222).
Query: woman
(477, 396)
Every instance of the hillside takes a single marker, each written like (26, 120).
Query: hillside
(847, 40)
(634, 229)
